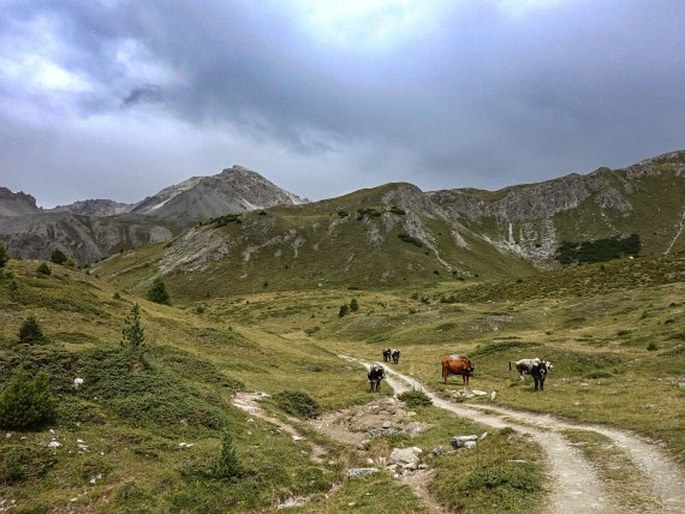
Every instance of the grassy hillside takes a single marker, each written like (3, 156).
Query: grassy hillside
(375, 238)
(148, 437)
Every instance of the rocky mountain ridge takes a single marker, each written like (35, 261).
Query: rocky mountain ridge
(89, 230)
(16, 204)
(461, 232)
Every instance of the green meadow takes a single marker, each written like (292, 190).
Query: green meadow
(149, 437)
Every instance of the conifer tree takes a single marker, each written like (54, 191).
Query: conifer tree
(227, 465)
(133, 335)
(30, 331)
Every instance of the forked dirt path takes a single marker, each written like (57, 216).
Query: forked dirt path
(576, 486)
(249, 403)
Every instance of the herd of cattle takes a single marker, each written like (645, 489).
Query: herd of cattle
(461, 365)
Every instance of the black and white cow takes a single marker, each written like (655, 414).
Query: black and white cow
(395, 355)
(376, 374)
(387, 354)
(525, 366)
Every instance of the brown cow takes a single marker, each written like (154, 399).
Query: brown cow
(457, 365)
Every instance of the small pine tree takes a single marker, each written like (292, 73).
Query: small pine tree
(3, 255)
(354, 305)
(344, 310)
(43, 269)
(58, 257)
(158, 293)
(227, 465)
(26, 403)
(133, 335)
(30, 331)
(13, 287)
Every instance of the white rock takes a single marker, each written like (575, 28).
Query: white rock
(361, 472)
(54, 444)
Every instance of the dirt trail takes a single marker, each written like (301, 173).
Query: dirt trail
(576, 485)
(248, 403)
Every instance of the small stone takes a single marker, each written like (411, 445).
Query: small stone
(361, 472)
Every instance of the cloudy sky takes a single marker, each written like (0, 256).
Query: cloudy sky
(118, 99)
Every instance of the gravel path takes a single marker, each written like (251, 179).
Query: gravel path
(576, 486)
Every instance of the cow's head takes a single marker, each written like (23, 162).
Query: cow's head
(548, 365)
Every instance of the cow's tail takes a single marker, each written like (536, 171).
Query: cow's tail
(509, 365)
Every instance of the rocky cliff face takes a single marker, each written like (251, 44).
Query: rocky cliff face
(532, 220)
(83, 238)
(16, 204)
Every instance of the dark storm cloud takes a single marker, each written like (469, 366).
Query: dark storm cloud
(150, 94)
(486, 98)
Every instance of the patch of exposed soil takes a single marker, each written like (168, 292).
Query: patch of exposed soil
(384, 416)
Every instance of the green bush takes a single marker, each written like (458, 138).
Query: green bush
(30, 331)
(354, 305)
(158, 293)
(344, 310)
(297, 403)
(415, 398)
(410, 239)
(19, 463)
(26, 403)
(4, 257)
(58, 257)
(43, 269)
(599, 250)
(652, 347)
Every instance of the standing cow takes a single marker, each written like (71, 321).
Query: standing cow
(376, 374)
(387, 353)
(395, 356)
(525, 366)
(539, 373)
(459, 365)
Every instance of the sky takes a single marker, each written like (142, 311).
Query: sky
(118, 99)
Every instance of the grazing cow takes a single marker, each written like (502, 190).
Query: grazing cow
(387, 353)
(457, 366)
(376, 374)
(525, 366)
(395, 355)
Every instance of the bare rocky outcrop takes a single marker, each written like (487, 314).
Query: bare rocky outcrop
(16, 204)
(97, 208)
(234, 190)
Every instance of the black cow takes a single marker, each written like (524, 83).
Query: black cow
(376, 374)
(539, 373)
(387, 353)
(395, 356)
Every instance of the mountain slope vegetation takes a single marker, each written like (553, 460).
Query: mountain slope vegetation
(144, 435)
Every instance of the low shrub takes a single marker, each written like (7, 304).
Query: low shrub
(26, 403)
(22, 462)
(415, 398)
(297, 403)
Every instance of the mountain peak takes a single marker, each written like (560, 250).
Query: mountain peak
(16, 204)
